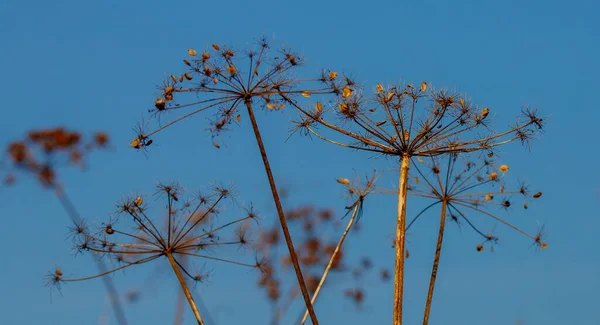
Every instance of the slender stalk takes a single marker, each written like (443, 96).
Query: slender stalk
(400, 236)
(436, 261)
(108, 283)
(332, 259)
(186, 290)
(282, 221)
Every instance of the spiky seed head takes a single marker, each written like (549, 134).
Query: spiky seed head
(493, 176)
(306, 93)
(333, 75)
(347, 92)
(343, 181)
(503, 168)
(423, 86)
(192, 52)
(537, 195)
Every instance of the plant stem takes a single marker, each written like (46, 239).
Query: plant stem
(108, 283)
(332, 259)
(400, 236)
(436, 261)
(282, 221)
(186, 290)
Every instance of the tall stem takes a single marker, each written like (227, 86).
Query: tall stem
(108, 283)
(186, 290)
(282, 221)
(436, 261)
(400, 235)
(332, 259)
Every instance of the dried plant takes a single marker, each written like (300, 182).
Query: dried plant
(41, 153)
(319, 251)
(465, 189)
(406, 122)
(222, 79)
(192, 230)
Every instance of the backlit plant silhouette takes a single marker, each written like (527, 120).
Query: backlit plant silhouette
(405, 122)
(465, 189)
(225, 81)
(41, 153)
(192, 230)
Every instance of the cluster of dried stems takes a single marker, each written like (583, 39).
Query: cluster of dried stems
(402, 122)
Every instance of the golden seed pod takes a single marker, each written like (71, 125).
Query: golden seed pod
(270, 106)
(205, 56)
(346, 92)
(238, 118)
(180, 78)
(216, 47)
(394, 138)
(503, 168)
(489, 197)
(343, 108)
(406, 135)
(215, 80)
(169, 97)
(159, 103)
(372, 110)
(306, 93)
(537, 195)
(493, 176)
(109, 230)
(216, 145)
(135, 143)
(461, 101)
(380, 123)
(502, 188)
(138, 201)
(58, 272)
(174, 78)
(380, 89)
(490, 155)
(423, 86)
(525, 206)
(188, 76)
(544, 245)
(186, 62)
(192, 52)
(389, 96)
(319, 107)
(333, 75)
(410, 86)
(169, 89)
(416, 180)
(343, 181)
(479, 248)
(420, 159)
(231, 70)
(484, 113)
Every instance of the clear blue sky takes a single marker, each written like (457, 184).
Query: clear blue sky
(94, 65)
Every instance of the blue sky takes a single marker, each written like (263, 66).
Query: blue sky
(95, 65)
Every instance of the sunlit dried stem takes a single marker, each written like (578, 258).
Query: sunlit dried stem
(185, 288)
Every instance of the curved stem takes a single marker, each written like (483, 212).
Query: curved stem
(436, 261)
(400, 237)
(282, 221)
(186, 290)
(332, 259)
